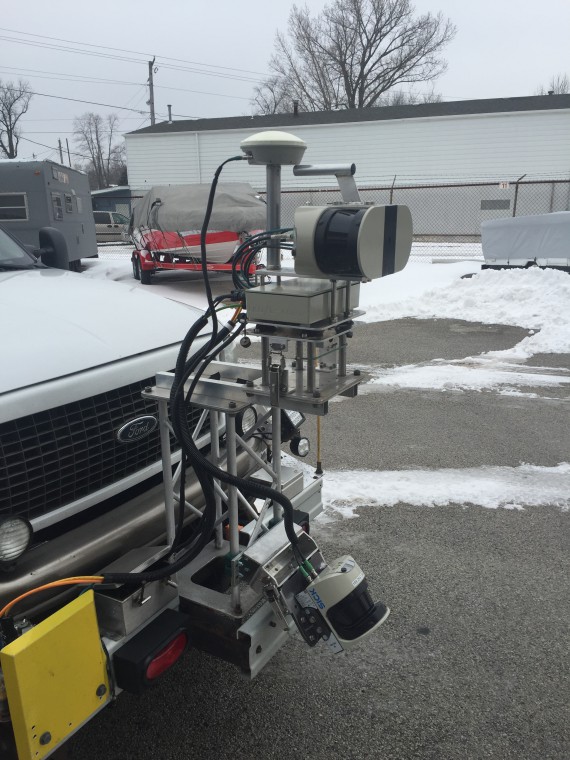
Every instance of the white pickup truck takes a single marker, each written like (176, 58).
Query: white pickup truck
(80, 450)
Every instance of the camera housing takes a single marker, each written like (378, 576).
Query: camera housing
(355, 242)
(340, 592)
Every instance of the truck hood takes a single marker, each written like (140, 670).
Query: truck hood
(57, 323)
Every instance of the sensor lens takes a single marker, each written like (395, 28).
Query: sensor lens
(247, 420)
(300, 446)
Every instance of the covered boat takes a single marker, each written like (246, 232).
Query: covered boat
(165, 226)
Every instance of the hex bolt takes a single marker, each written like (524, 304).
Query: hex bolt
(101, 690)
(357, 372)
(45, 738)
(316, 393)
(148, 389)
(312, 619)
(232, 405)
(303, 619)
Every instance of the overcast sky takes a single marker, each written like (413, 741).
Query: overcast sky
(503, 48)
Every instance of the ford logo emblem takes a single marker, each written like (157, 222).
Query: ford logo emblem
(135, 430)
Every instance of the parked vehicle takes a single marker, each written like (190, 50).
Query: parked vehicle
(542, 240)
(111, 227)
(36, 194)
(72, 377)
(166, 223)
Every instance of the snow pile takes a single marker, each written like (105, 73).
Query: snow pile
(490, 487)
(533, 298)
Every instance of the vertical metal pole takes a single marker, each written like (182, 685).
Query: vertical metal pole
(517, 194)
(169, 113)
(273, 175)
(151, 89)
(276, 454)
(265, 361)
(231, 443)
(215, 442)
(167, 472)
(299, 366)
(347, 299)
(392, 190)
(334, 292)
(342, 356)
(310, 367)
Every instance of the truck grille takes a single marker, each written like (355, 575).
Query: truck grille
(53, 458)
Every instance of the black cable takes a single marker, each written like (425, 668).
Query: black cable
(203, 233)
(204, 469)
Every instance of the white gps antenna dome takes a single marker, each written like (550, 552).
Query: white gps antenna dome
(274, 148)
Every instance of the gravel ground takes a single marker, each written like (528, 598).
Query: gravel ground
(473, 661)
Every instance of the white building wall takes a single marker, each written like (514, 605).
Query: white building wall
(449, 148)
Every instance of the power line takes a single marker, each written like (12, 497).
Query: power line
(108, 56)
(90, 102)
(43, 145)
(81, 78)
(106, 105)
(133, 52)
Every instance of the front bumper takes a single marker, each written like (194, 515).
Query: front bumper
(90, 547)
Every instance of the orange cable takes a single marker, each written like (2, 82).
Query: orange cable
(76, 580)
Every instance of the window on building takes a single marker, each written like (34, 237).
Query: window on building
(13, 207)
(57, 206)
(69, 203)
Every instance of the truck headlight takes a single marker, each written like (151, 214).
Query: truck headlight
(15, 537)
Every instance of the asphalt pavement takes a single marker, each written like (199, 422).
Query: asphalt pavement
(473, 661)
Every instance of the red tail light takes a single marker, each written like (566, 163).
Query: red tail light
(167, 657)
(151, 652)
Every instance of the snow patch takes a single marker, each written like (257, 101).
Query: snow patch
(344, 491)
(478, 374)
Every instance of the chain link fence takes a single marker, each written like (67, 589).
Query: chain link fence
(447, 217)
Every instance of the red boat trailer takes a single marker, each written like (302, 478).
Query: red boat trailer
(158, 251)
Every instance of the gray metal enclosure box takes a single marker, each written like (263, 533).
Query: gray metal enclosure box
(36, 194)
(298, 301)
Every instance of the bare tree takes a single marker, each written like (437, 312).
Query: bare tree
(352, 53)
(14, 103)
(558, 85)
(96, 137)
(409, 98)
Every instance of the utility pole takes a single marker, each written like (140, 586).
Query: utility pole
(151, 89)
(60, 151)
(68, 153)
